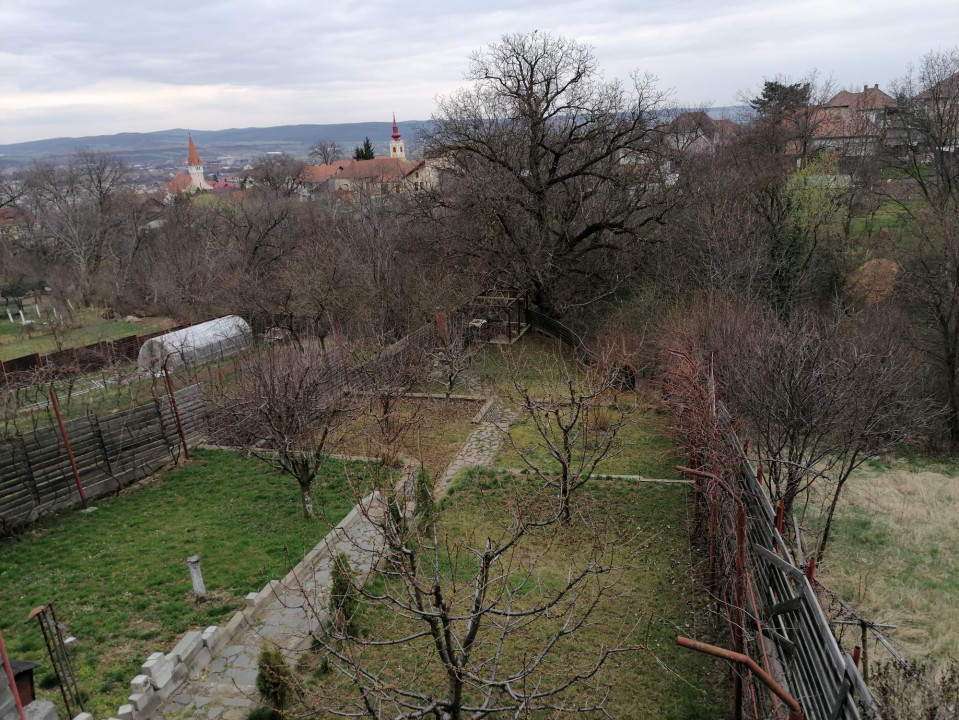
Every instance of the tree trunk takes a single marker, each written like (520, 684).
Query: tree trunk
(307, 501)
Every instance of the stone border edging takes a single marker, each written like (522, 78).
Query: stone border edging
(162, 675)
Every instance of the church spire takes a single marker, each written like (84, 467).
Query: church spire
(396, 145)
(194, 159)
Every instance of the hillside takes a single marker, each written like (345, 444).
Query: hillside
(169, 144)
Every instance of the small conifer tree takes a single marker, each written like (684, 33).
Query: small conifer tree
(364, 151)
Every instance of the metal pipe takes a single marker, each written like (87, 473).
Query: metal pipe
(795, 710)
(13, 684)
(66, 443)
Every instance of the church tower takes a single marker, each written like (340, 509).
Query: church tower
(396, 144)
(195, 166)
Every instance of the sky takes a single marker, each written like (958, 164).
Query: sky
(72, 68)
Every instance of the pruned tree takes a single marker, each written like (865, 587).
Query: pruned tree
(479, 635)
(551, 173)
(285, 408)
(325, 152)
(574, 429)
(454, 350)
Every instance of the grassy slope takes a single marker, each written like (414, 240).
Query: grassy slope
(119, 575)
(90, 328)
(893, 552)
(655, 593)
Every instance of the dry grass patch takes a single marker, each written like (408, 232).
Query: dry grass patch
(894, 553)
(436, 430)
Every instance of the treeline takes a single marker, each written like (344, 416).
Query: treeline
(760, 241)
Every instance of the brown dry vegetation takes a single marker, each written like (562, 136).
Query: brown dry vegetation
(894, 553)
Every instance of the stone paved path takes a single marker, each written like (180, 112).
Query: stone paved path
(480, 448)
(228, 690)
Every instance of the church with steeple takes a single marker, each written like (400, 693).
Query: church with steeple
(191, 181)
(396, 144)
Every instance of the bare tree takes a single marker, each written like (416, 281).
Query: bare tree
(552, 173)
(454, 350)
(279, 174)
(925, 138)
(479, 635)
(574, 427)
(76, 210)
(285, 408)
(325, 152)
(818, 396)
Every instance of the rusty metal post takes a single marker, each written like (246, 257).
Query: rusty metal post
(739, 644)
(66, 443)
(865, 652)
(176, 410)
(13, 683)
(811, 570)
(795, 710)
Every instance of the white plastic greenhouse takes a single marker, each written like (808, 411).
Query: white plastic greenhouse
(196, 344)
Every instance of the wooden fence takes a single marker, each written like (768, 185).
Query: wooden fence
(88, 358)
(36, 473)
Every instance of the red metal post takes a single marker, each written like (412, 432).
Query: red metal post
(856, 652)
(13, 684)
(176, 410)
(811, 570)
(795, 710)
(66, 443)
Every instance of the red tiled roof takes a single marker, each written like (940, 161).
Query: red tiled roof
(319, 173)
(381, 169)
(180, 182)
(947, 88)
(871, 98)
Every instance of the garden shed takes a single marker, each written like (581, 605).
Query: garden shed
(196, 344)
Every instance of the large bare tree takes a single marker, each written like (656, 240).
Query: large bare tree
(551, 172)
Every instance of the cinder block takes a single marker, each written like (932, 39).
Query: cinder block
(203, 658)
(215, 639)
(41, 710)
(144, 703)
(238, 623)
(180, 675)
(83, 716)
(139, 684)
(185, 650)
(125, 712)
(158, 669)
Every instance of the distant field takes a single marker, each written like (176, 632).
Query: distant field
(85, 327)
(893, 552)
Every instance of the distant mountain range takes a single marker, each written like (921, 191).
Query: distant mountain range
(171, 145)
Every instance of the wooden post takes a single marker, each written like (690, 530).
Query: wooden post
(176, 410)
(66, 442)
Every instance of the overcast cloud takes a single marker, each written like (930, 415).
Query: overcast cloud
(70, 68)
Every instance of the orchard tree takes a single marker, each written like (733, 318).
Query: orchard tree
(552, 173)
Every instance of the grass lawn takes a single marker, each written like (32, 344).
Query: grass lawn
(640, 448)
(655, 595)
(540, 362)
(119, 575)
(87, 327)
(436, 430)
(892, 552)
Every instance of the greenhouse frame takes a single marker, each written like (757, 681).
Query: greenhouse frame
(195, 345)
